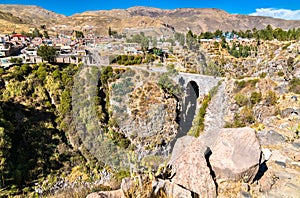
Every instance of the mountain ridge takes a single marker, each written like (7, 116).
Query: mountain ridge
(140, 17)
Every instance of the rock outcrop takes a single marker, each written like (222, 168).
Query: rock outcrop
(171, 189)
(180, 146)
(107, 194)
(236, 154)
(144, 113)
(192, 172)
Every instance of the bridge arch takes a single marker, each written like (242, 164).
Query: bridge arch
(189, 107)
(192, 89)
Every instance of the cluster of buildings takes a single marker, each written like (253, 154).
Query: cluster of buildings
(69, 48)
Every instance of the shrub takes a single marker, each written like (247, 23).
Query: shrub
(2, 71)
(295, 85)
(280, 73)
(47, 53)
(242, 119)
(247, 115)
(241, 99)
(253, 82)
(263, 75)
(255, 97)
(240, 84)
(17, 61)
(271, 98)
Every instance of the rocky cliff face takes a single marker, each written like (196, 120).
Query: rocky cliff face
(260, 160)
(144, 112)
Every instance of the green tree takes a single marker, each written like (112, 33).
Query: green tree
(47, 53)
(79, 34)
(191, 40)
(218, 33)
(6, 129)
(36, 33)
(154, 42)
(5, 145)
(255, 97)
(109, 31)
(180, 38)
(46, 34)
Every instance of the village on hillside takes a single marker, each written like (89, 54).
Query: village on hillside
(181, 50)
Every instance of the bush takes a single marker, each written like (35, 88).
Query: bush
(2, 71)
(295, 85)
(263, 75)
(253, 82)
(255, 97)
(271, 98)
(240, 84)
(241, 99)
(47, 53)
(247, 115)
(280, 73)
(17, 61)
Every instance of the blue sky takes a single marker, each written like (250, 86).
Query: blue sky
(278, 8)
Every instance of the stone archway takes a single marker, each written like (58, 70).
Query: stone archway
(188, 108)
(192, 88)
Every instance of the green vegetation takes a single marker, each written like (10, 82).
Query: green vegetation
(239, 50)
(79, 34)
(180, 38)
(263, 75)
(37, 106)
(241, 84)
(128, 60)
(198, 122)
(166, 83)
(141, 39)
(17, 61)
(245, 116)
(294, 85)
(242, 119)
(241, 99)
(255, 97)
(47, 53)
(271, 98)
(264, 34)
(191, 41)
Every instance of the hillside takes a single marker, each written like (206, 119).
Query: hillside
(31, 14)
(9, 23)
(180, 20)
(152, 20)
(20, 18)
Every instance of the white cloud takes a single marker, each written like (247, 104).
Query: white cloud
(278, 13)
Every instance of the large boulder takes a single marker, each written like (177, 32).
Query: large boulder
(171, 189)
(236, 154)
(192, 172)
(180, 145)
(270, 137)
(107, 194)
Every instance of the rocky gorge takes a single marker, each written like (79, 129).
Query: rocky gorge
(230, 159)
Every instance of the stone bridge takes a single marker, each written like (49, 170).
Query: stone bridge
(201, 84)
(194, 86)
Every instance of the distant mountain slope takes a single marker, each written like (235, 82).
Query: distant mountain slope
(10, 23)
(210, 19)
(31, 14)
(152, 21)
(10, 18)
(183, 19)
